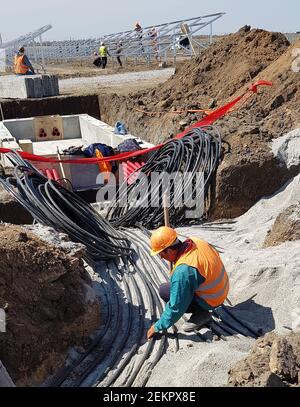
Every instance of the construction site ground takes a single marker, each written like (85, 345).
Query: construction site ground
(122, 83)
(257, 198)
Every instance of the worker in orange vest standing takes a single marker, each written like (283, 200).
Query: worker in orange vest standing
(22, 65)
(198, 282)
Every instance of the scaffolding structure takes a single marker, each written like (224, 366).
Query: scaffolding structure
(163, 42)
(32, 40)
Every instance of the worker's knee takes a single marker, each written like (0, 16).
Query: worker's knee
(164, 292)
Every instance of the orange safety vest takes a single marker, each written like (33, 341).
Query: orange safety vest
(203, 257)
(19, 66)
(104, 167)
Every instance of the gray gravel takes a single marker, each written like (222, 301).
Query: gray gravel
(69, 85)
(59, 240)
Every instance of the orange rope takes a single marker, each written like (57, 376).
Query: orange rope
(244, 99)
(206, 111)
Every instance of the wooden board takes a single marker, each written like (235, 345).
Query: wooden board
(48, 128)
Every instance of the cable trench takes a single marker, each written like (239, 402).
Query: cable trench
(125, 276)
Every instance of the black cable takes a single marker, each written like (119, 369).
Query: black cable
(53, 205)
(198, 152)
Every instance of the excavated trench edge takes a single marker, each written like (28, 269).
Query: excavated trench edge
(117, 355)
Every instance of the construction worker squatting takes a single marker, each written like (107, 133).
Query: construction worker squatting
(198, 281)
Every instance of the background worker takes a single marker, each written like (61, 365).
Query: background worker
(153, 36)
(139, 30)
(97, 60)
(22, 65)
(139, 33)
(103, 52)
(119, 52)
(198, 281)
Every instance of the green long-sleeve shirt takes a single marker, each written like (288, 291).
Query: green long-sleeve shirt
(184, 282)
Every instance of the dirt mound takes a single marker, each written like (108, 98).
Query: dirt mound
(11, 211)
(273, 362)
(286, 227)
(49, 305)
(224, 70)
(217, 73)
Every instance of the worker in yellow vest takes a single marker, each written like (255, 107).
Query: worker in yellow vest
(198, 281)
(103, 52)
(22, 65)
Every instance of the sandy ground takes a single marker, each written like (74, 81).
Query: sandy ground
(265, 293)
(265, 290)
(287, 148)
(121, 83)
(271, 275)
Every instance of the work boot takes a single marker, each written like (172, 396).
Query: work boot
(197, 321)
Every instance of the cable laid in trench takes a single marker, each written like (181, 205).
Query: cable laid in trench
(225, 325)
(53, 205)
(197, 153)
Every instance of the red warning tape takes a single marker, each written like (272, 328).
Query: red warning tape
(206, 121)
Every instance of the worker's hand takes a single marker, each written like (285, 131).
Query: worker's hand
(151, 332)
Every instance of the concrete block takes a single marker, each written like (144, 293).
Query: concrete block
(71, 127)
(12, 145)
(28, 86)
(5, 379)
(21, 129)
(96, 131)
(26, 145)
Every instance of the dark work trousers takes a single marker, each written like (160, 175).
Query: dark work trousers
(119, 60)
(164, 293)
(97, 62)
(103, 62)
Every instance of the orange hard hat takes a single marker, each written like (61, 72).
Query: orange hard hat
(162, 238)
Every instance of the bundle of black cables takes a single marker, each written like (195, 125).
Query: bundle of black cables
(53, 205)
(195, 155)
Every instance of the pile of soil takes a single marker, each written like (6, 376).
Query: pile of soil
(49, 305)
(11, 211)
(273, 362)
(286, 227)
(219, 74)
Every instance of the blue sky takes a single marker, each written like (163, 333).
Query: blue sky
(92, 18)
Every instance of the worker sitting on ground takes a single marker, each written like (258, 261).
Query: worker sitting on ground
(22, 65)
(198, 282)
(103, 52)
